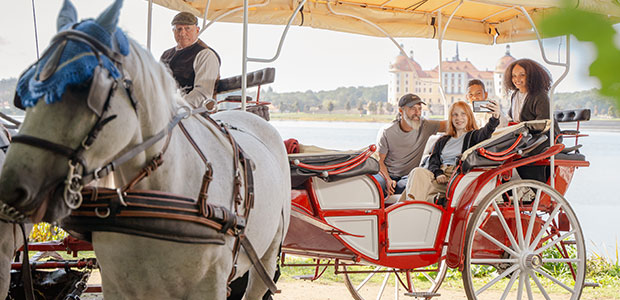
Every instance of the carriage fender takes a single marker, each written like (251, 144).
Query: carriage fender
(454, 255)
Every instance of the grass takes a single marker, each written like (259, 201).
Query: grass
(600, 269)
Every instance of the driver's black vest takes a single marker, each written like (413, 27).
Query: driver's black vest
(181, 63)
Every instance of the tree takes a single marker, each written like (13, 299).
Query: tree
(330, 106)
(389, 108)
(347, 105)
(360, 107)
(380, 109)
(372, 107)
(612, 111)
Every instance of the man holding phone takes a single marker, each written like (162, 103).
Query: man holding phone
(477, 97)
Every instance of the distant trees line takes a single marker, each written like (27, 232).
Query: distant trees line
(371, 100)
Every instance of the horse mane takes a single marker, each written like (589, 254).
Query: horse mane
(151, 79)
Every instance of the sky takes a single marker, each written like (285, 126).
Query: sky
(311, 59)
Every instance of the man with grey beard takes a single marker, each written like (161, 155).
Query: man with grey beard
(401, 144)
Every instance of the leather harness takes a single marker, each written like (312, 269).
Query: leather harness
(123, 209)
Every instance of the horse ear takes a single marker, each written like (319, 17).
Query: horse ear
(109, 18)
(67, 15)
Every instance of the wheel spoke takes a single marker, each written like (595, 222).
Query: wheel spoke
(520, 289)
(496, 242)
(367, 278)
(396, 286)
(510, 284)
(430, 278)
(515, 201)
(543, 229)
(488, 261)
(541, 288)
(561, 260)
(552, 243)
(530, 226)
(543, 273)
(500, 216)
(496, 279)
(383, 285)
(528, 286)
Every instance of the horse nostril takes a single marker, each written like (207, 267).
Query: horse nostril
(21, 194)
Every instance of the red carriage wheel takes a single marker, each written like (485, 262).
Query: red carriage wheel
(523, 239)
(388, 283)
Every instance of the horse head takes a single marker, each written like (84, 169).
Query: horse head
(79, 115)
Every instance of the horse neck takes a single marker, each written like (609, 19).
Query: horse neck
(158, 98)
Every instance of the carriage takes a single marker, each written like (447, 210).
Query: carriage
(490, 220)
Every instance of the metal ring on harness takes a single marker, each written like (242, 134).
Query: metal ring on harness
(72, 194)
(100, 215)
(206, 102)
(187, 109)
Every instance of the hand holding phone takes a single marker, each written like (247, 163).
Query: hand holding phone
(481, 106)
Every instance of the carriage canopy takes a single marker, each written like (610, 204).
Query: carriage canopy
(479, 21)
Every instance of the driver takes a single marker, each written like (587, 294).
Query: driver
(194, 65)
(400, 144)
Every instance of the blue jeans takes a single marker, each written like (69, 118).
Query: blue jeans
(401, 183)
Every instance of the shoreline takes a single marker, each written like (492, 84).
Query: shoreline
(608, 125)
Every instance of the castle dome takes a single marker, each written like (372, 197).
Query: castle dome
(402, 63)
(505, 61)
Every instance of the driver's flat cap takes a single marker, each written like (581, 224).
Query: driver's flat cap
(184, 18)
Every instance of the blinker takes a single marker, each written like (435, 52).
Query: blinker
(101, 86)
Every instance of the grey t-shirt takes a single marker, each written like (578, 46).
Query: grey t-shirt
(452, 149)
(404, 150)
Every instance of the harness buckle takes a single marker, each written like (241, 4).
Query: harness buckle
(120, 196)
(102, 215)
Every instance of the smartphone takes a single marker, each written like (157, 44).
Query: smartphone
(480, 106)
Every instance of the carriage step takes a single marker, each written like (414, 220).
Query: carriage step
(570, 242)
(305, 277)
(591, 284)
(423, 295)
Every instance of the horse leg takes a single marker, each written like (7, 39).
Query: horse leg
(9, 243)
(256, 287)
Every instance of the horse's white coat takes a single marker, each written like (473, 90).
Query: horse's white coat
(136, 267)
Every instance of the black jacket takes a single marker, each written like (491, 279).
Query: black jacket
(471, 138)
(536, 107)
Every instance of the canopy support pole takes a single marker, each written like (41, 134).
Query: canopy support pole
(282, 38)
(204, 17)
(402, 51)
(149, 23)
(566, 66)
(229, 12)
(244, 60)
(440, 45)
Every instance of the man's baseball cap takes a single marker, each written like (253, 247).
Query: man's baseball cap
(409, 100)
(184, 18)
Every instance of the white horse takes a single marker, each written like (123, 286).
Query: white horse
(136, 267)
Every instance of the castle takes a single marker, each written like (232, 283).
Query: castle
(408, 77)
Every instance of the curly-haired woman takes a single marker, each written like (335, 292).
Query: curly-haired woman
(528, 84)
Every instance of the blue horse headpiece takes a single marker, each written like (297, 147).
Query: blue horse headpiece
(77, 64)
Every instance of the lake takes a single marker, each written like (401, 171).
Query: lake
(592, 192)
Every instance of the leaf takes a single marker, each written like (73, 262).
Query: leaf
(595, 28)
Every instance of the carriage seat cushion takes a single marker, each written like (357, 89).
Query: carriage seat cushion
(570, 156)
(300, 175)
(533, 136)
(260, 77)
(572, 115)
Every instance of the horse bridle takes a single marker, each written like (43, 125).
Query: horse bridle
(101, 90)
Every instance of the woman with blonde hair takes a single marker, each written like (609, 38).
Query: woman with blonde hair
(462, 133)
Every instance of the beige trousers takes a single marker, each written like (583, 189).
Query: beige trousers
(422, 185)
